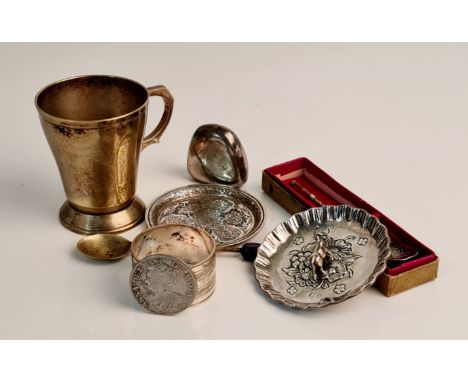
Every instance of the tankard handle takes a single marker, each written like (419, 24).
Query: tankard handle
(161, 91)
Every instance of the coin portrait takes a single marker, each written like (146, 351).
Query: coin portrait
(163, 284)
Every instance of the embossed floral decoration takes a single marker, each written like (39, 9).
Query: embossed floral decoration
(320, 263)
(339, 289)
(298, 240)
(363, 241)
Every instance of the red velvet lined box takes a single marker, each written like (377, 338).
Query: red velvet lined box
(397, 277)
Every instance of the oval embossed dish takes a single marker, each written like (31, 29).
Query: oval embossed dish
(322, 256)
(229, 214)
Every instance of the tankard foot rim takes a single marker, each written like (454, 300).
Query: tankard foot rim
(88, 224)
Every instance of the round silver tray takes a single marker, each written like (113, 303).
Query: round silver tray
(229, 214)
(322, 256)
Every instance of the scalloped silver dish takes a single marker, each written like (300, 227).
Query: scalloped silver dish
(227, 213)
(356, 245)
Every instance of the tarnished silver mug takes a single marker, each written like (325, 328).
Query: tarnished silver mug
(94, 126)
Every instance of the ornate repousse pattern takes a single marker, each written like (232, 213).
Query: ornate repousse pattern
(307, 269)
(230, 215)
(313, 218)
(221, 218)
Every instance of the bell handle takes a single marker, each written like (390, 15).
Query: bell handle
(155, 135)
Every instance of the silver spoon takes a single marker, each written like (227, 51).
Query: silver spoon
(103, 246)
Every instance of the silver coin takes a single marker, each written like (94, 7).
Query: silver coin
(163, 284)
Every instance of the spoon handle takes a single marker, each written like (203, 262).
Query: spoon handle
(247, 250)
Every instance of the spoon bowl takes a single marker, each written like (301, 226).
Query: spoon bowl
(107, 247)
